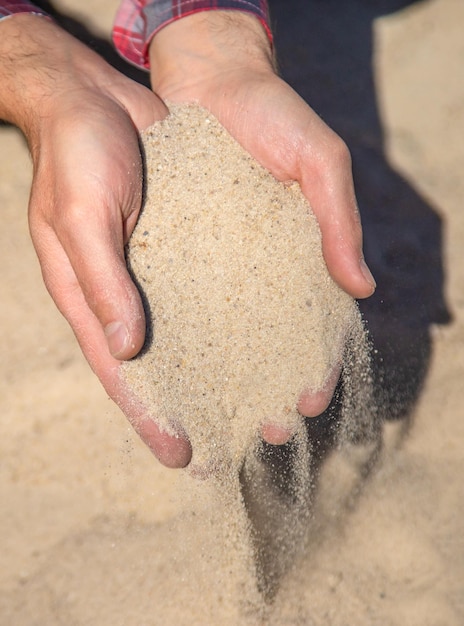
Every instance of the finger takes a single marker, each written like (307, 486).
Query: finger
(171, 449)
(313, 403)
(310, 404)
(328, 185)
(109, 292)
(276, 435)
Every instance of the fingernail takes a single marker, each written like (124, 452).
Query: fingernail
(117, 337)
(366, 272)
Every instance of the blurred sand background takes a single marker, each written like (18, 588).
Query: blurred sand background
(84, 506)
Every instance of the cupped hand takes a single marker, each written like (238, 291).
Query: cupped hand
(224, 63)
(85, 199)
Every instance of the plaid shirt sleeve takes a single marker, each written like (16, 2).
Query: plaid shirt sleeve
(138, 20)
(8, 8)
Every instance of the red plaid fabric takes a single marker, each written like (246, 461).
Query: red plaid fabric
(138, 20)
(8, 8)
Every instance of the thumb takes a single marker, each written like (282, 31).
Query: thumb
(84, 205)
(89, 282)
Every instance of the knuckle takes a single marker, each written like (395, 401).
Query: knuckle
(339, 153)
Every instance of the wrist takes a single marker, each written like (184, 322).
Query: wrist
(39, 62)
(205, 46)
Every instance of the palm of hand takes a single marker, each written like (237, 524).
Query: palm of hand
(268, 118)
(84, 203)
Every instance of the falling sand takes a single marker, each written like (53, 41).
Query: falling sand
(243, 317)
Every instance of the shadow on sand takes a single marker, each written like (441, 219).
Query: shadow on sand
(325, 51)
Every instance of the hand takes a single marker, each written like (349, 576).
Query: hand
(223, 61)
(81, 118)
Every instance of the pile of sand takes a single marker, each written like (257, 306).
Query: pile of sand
(242, 317)
(243, 313)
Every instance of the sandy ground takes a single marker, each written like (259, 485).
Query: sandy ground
(85, 507)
